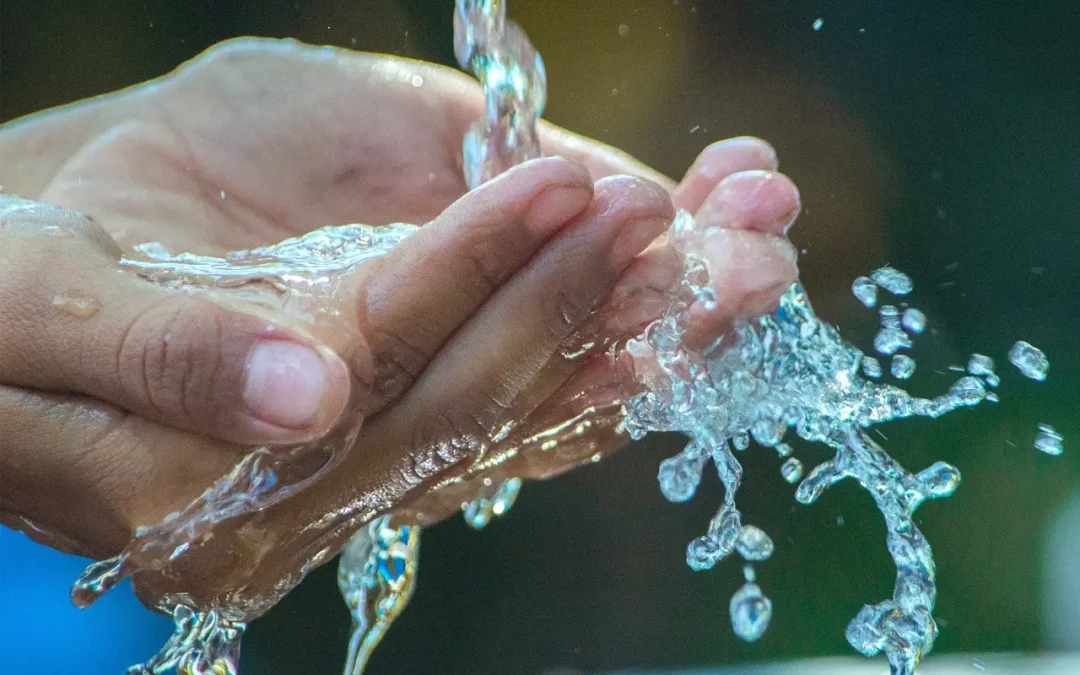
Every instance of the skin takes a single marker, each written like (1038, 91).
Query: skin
(116, 418)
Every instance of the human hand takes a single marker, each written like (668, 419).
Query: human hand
(132, 163)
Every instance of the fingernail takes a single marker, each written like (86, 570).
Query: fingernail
(555, 206)
(284, 383)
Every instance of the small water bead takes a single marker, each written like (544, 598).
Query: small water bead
(748, 573)
(751, 612)
(1029, 360)
(889, 340)
(980, 365)
(871, 367)
(902, 366)
(707, 297)
(914, 320)
(754, 544)
(892, 280)
(680, 475)
(865, 290)
(1049, 441)
(792, 470)
(77, 304)
(968, 390)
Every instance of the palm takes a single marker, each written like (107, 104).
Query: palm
(253, 145)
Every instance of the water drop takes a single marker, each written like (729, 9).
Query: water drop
(754, 544)
(77, 304)
(1029, 360)
(818, 23)
(1049, 441)
(680, 475)
(624, 30)
(902, 367)
(791, 470)
(751, 612)
(914, 320)
(890, 339)
(892, 280)
(707, 297)
(865, 291)
(979, 364)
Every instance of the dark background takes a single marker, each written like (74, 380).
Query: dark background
(943, 140)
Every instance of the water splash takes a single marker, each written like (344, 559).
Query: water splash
(376, 575)
(787, 371)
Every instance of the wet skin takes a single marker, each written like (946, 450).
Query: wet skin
(115, 419)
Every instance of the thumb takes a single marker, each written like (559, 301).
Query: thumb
(71, 321)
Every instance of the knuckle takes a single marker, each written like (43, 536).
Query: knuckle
(566, 309)
(486, 256)
(169, 358)
(396, 363)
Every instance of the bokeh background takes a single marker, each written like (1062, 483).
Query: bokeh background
(942, 138)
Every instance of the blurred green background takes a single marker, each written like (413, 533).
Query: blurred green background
(941, 139)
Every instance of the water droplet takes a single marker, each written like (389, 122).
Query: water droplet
(754, 544)
(902, 367)
(792, 470)
(680, 475)
(1049, 441)
(914, 320)
(968, 390)
(1029, 360)
(871, 367)
(890, 339)
(624, 30)
(223, 194)
(751, 612)
(707, 297)
(892, 280)
(865, 291)
(77, 304)
(818, 23)
(417, 80)
(980, 365)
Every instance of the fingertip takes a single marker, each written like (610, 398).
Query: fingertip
(718, 161)
(764, 201)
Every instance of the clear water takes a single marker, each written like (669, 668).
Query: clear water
(786, 374)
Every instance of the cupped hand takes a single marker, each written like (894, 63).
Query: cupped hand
(114, 419)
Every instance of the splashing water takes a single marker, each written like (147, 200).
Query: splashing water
(786, 371)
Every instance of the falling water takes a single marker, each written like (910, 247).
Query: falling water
(788, 371)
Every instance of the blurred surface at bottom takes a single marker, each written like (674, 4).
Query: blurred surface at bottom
(944, 664)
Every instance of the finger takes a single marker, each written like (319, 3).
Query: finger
(524, 325)
(600, 159)
(416, 297)
(82, 474)
(71, 321)
(763, 201)
(748, 272)
(719, 161)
